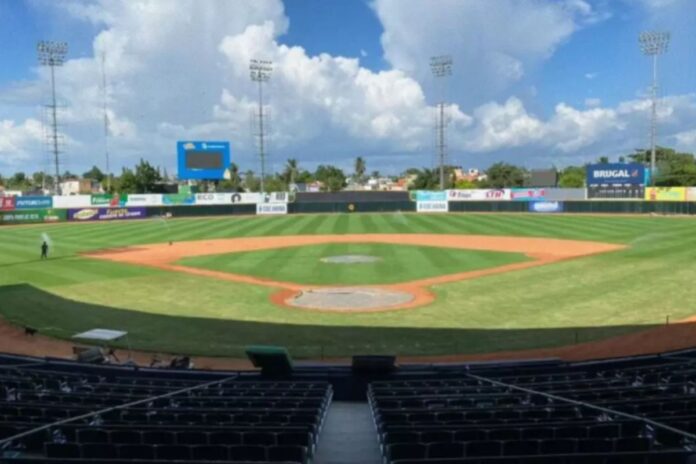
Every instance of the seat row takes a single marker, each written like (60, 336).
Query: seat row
(297, 454)
(516, 447)
(167, 437)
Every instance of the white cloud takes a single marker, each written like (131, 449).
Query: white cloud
(179, 70)
(591, 75)
(493, 44)
(18, 140)
(570, 130)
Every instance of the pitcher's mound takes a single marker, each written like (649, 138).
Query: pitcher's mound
(350, 299)
(350, 259)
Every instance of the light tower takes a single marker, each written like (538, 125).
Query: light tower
(260, 71)
(653, 44)
(52, 54)
(441, 66)
(106, 122)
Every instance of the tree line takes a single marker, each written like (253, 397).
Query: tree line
(673, 169)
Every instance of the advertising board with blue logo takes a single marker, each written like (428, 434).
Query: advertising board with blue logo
(615, 173)
(37, 202)
(545, 207)
(106, 214)
(429, 195)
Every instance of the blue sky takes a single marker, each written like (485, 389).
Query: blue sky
(535, 82)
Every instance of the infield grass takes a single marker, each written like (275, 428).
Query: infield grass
(583, 299)
(394, 263)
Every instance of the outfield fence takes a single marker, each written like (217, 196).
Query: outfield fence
(39, 209)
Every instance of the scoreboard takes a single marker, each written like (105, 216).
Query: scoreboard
(203, 160)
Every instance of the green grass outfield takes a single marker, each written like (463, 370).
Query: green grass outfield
(395, 263)
(583, 299)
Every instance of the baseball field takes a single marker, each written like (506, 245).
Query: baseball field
(492, 283)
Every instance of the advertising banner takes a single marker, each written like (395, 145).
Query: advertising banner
(616, 192)
(107, 199)
(478, 195)
(665, 193)
(432, 206)
(72, 201)
(33, 216)
(545, 207)
(615, 173)
(173, 199)
(38, 202)
(213, 198)
(146, 199)
(271, 208)
(106, 214)
(527, 194)
(7, 203)
(428, 195)
(251, 198)
(691, 194)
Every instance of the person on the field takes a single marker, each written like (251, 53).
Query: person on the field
(44, 250)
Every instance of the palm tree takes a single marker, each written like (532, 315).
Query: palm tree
(360, 168)
(292, 168)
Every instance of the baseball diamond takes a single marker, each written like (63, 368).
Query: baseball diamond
(481, 285)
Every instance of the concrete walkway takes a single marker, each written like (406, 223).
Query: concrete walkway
(349, 436)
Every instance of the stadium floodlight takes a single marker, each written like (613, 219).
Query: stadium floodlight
(441, 66)
(260, 71)
(653, 43)
(53, 54)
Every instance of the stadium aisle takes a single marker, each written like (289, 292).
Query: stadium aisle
(349, 436)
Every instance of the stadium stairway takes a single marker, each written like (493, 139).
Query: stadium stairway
(349, 436)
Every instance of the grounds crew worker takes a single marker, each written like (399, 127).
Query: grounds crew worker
(44, 250)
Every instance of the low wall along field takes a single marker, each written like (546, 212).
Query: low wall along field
(612, 298)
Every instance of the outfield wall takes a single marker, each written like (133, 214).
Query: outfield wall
(79, 208)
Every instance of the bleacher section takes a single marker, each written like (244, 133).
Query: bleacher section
(66, 417)
(635, 411)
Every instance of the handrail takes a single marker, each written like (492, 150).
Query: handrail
(584, 404)
(7, 440)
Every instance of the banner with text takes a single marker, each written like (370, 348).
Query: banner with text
(7, 203)
(176, 199)
(428, 195)
(271, 208)
(665, 193)
(478, 195)
(545, 207)
(37, 202)
(527, 194)
(145, 199)
(432, 206)
(32, 216)
(106, 214)
(106, 199)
